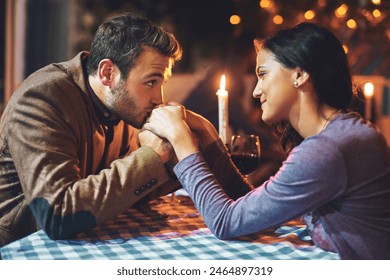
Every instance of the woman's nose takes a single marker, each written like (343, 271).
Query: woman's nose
(257, 92)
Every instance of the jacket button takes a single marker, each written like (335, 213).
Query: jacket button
(138, 192)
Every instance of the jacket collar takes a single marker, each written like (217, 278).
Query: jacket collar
(76, 69)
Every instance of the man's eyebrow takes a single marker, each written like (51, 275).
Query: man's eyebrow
(153, 75)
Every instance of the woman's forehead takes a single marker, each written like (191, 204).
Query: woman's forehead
(264, 57)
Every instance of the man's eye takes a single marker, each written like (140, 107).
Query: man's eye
(151, 83)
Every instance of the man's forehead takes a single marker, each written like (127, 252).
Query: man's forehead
(152, 60)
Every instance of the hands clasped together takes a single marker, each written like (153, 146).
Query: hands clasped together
(186, 131)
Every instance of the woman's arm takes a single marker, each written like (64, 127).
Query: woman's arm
(303, 184)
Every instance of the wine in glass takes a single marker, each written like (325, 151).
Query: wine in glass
(245, 152)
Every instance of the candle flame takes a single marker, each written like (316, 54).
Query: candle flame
(222, 84)
(368, 89)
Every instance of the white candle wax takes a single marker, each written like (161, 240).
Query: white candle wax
(223, 115)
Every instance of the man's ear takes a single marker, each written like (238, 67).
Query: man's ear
(107, 72)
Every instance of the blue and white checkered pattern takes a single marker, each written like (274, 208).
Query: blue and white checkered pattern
(166, 231)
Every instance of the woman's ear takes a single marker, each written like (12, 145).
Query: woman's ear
(301, 76)
(107, 72)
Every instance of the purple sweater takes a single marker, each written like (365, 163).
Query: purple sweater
(339, 180)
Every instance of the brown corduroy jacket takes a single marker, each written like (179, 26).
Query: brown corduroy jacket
(56, 172)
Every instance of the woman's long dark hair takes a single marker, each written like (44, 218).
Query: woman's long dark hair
(318, 52)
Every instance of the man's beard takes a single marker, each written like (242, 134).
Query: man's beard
(122, 106)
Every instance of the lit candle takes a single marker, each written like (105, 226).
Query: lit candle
(368, 94)
(223, 115)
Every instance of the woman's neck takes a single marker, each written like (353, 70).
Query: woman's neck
(314, 120)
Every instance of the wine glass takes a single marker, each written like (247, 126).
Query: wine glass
(245, 152)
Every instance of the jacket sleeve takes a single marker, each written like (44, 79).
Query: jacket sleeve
(218, 159)
(44, 143)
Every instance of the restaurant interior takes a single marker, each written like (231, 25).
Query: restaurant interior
(212, 33)
(217, 38)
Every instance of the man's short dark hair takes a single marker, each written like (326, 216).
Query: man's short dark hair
(122, 39)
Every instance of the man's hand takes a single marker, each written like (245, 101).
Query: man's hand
(161, 146)
(202, 127)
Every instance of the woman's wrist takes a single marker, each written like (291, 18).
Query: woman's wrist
(185, 147)
(183, 141)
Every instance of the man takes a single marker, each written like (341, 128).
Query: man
(69, 152)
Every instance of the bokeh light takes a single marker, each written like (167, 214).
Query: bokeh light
(351, 23)
(235, 19)
(376, 13)
(265, 4)
(309, 15)
(341, 11)
(278, 19)
(368, 89)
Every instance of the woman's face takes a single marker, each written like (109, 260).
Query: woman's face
(275, 88)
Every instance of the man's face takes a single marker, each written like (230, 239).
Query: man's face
(133, 99)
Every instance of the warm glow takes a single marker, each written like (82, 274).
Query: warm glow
(368, 89)
(265, 4)
(345, 49)
(310, 14)
(278, 19)
(222, 84)
(235, 19)
(341, 11)
(352, 23)
(376, 2)
(222, 87)
(376, 13)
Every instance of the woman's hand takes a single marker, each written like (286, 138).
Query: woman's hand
(203, 128)
(169, 122)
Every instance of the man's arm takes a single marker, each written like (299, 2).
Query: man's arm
(51, 146)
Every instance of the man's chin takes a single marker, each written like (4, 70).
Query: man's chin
(137, 125)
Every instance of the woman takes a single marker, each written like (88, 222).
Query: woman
(337, 171)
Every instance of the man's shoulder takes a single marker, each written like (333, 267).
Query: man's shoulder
(56, 80)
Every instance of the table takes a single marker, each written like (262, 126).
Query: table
(166, 229)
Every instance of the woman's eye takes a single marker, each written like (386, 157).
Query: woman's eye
(260, 74)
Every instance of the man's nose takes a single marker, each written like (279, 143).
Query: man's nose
(158, 97)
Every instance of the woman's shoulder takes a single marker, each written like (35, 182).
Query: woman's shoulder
(352, 129)
(350, 135)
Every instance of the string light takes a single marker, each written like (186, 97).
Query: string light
(265, 4)
(346, 50)
(278, 19)
(341, 11)
(376, 2)
(351, 23)
(376, 13)
(235, 19)
(310, 14)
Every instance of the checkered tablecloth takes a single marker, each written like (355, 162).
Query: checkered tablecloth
(165, 229)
